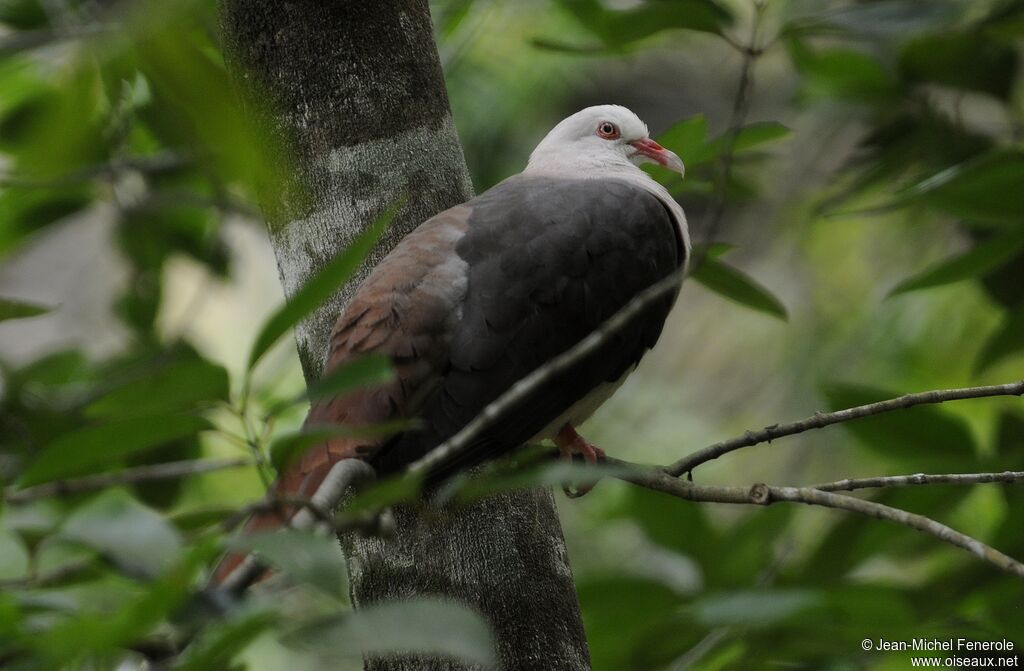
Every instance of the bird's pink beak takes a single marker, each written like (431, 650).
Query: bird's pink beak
(658, 154)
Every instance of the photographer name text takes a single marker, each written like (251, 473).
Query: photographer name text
(937, 644)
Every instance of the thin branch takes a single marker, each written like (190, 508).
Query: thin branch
(128, 476)
(819, 420)
(762, 494)
(850, 484)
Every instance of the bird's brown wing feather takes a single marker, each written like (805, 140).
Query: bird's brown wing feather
(403, 310)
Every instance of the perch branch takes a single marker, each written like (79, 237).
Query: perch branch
(820, 419)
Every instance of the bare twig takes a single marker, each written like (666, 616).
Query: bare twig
(850, 484)
(128, 476)
(819, 420)
(762, 494)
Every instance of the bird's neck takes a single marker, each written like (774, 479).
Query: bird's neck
(579, 165)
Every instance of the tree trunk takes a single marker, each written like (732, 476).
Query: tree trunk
(355, 89)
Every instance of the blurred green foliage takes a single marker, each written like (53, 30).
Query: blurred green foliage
(124, 111)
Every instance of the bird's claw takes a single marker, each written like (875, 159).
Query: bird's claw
(574, 491)
(571, 443)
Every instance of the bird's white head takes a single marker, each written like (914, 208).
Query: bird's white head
(600, 138)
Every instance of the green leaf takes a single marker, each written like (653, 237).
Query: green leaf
(320, 287)
(1006, 341)
(966, 60)
(841, 73)
(55, 370)
(754, 608)
(982, 259)
(714, 250)
(619, 614)
(201, 518)
(757, 134)
(618, 29)
(366, 371)
(221, 643)
(25, 211)
(23, 14)
(425, 626)
(854, 539)
(182, 386)
(920, 438)
(386, 492)
(305, 556)
(689, 139)
(451, 15)
(287, 449)
(96, 447)
(672, 523)
(12, 309)
(865, 21)
(96, 631)
(737, 286)
(986, 189)
(557, 46)
(14, 556)
(117, 526)
(753, 544)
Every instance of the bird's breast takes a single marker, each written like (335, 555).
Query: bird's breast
(581, 410)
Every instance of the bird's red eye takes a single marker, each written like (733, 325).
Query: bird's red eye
(607, 130)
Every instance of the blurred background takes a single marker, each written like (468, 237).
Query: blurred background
(870, 176)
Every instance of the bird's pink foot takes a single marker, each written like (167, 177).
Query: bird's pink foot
(569, 443)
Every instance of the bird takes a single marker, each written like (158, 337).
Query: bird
(479, 296)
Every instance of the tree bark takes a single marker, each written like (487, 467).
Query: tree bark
(355, 90)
